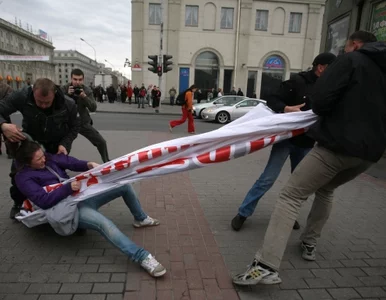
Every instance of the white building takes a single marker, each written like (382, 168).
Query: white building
(15, 40)
(67, 60)
(248, 44)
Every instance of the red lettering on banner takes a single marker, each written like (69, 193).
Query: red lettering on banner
(81, 177)
(298, 132)
(93, 180)
(260, 144)
(171, 149)
(120, 165)
(221, 154)
(179, 161)
(143, 156)
(106, 170)
(157, 152)
(184, 147)
(51, 188)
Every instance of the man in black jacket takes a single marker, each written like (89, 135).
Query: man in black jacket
(292, 96)
(49, 117)
(350, 98)
(85, 102)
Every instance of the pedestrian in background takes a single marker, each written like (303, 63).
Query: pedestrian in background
(172, 94)
(219, 94)
(136, 94)
(142, 96)
(240, 93)
(156, 93)
(149, 95)
(187, 111)
(129, 93)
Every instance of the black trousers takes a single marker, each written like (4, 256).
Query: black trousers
(95, 138)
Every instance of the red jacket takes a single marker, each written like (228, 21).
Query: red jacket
(129, 92)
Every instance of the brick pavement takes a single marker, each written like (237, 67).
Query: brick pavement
(184, 244)
(37, 264)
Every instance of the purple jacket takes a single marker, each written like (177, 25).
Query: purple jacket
(31, 181)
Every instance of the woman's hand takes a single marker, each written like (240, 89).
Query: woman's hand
(75, 186)
(92, 165)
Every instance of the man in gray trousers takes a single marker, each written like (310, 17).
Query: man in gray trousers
(84, 99)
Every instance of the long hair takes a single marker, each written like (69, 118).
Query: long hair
(25, 153)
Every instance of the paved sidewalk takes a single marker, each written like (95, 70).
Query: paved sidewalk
(126, 108)
(195, 241)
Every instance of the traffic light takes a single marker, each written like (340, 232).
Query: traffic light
(167, 62)
(159, 71)
(153, 63)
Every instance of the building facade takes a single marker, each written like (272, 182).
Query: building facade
(67, 60)
(344, 17)
(14, 40)
(252, 45)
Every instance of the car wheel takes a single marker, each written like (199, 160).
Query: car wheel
(200, 114)
(222, 117)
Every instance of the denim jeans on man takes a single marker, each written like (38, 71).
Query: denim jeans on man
(141, 101)
(277, 159)
(91, 218)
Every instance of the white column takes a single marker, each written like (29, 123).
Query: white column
(258, 83)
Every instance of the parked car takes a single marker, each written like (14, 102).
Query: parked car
(230, 111)
(199, 108)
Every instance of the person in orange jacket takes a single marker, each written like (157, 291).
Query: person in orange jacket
(187, 111)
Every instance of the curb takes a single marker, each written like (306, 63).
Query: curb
(137, 113)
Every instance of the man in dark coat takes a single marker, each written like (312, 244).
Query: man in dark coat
(49, 117)
(350, 100)
(292, 96)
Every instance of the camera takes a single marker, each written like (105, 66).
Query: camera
(77, 90)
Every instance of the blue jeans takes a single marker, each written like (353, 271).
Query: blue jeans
(91, 218)
(277, 158)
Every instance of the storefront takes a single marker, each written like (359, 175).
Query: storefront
(343, 17)
(378, 20)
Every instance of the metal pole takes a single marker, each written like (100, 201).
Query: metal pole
(160, 50)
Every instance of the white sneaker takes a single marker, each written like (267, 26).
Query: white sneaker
(271, 278)
(153, 267)
(149, 221)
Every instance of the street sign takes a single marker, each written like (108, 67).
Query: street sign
(136, 67)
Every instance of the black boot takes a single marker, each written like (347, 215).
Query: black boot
(14, 211)
(238, 222)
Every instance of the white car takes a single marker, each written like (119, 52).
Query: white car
(199, 107)
(230, 111)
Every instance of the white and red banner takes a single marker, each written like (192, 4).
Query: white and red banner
(256, 130)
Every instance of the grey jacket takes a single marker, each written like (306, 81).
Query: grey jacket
(85, 105)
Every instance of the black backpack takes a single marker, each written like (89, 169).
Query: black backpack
(181, 99)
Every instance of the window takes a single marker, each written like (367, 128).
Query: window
(261, 20)
(154, 14)
(72, 65)
(60, 76)
(60, 70)
(191, 16)
(60, 82)
(66, 76)
(295, 23)
(227, 18)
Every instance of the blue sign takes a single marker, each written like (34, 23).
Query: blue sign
(274, 62)
(184, 79)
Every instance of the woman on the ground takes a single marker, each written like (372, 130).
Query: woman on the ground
(37, 169)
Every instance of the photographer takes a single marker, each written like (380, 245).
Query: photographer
(85, 102)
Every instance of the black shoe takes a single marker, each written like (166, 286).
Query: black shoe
(14, 211)
(296, 226)
(238, 222)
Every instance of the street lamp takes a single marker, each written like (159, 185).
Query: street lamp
(91, 47)
(110, 63)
